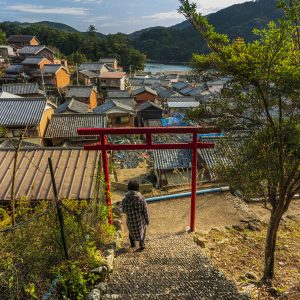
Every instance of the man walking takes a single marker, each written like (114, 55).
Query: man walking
(136, 210)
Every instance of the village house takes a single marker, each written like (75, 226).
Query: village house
(94, 67)
(144, 94)
(128, 101)
(72, 106)
(172, 167)
(15, 72)
(86, 77)
(147, 111)
(29, 51)
(118, 94)
(118, 114)
(34, 64)
(109, 61)
(19, 41)
(85, 94)
(63, 128)
(55, 76)
(112, 80)
(28, 90)
(25, 114)
(7, 53)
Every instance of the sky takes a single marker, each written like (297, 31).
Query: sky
(109, 16)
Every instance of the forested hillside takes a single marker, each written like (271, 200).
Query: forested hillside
(78, 46)
(177, 43)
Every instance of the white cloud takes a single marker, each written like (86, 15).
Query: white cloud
(40, 9)
(214, 5)
(170, 15)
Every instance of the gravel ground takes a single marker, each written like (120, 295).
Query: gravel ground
(171, 267)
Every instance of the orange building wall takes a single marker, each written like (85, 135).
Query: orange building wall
(93, 100)
(143, 97)
(44, 122)
(45, 61)
(62, 78)
(34, 42)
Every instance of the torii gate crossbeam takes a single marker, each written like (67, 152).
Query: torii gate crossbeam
(148, 132)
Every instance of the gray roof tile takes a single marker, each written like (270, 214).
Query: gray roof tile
(144, 89)
(73, 106)
(22, 88)
(66, 125)
(172, 159)
(79, 91)
(102, 109)
(21, 111)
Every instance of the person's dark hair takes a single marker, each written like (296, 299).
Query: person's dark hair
(133, 185)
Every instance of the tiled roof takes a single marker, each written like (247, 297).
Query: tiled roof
(22, 88)
(13, 143)
(126, 101)
(163, 92)
(147, 105)
(73, 106)
(15, 68)
(172, 159)
(33, 49)
(180, 85)
(90, 66)
(8, 95)
(102, 109)
(144, 89)
(21, 112)
(88, 73)
(113, 75)
(51, 68)
(117, 94)
(75, 173)
(105, 60)
(66, 125)
(20, 38)
(33, 60)
(79, 91)
(186, 90)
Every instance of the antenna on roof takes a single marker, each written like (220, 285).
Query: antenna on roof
(43, 84)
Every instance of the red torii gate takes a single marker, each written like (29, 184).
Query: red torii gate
(148, 131)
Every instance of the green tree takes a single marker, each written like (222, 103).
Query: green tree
(263, 100)
(2, 37)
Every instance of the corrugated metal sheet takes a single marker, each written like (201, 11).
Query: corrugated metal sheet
(21, 111)
(172, 159)
(172, 104)
(65, 126)
(75, 171)
(21, 88)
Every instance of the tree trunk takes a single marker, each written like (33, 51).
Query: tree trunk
(270, 245)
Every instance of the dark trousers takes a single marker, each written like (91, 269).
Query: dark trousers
(142, 241)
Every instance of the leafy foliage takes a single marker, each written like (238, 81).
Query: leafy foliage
(2, 37)
(263, 101)
(79, 46)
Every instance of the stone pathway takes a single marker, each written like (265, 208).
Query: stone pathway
(171, 267)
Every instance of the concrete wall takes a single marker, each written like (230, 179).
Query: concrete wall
(144, 188)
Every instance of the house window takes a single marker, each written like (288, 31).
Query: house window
(118, 120)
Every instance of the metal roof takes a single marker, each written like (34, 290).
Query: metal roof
(172, 159)
(83, 91)
(182, 99)
(163, 92)
(8, 95)
(75, 173)
(191, 104)
(118, 94)
(66, 125)
(144, 89)
(107, 60)
(21, 111)
(105, 107)
(186, 90)
(73, 106)
(22, 88)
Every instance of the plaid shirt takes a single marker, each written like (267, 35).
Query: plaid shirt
(135, 207)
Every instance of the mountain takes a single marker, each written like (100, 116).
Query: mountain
(60, 26)
(178, 42)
